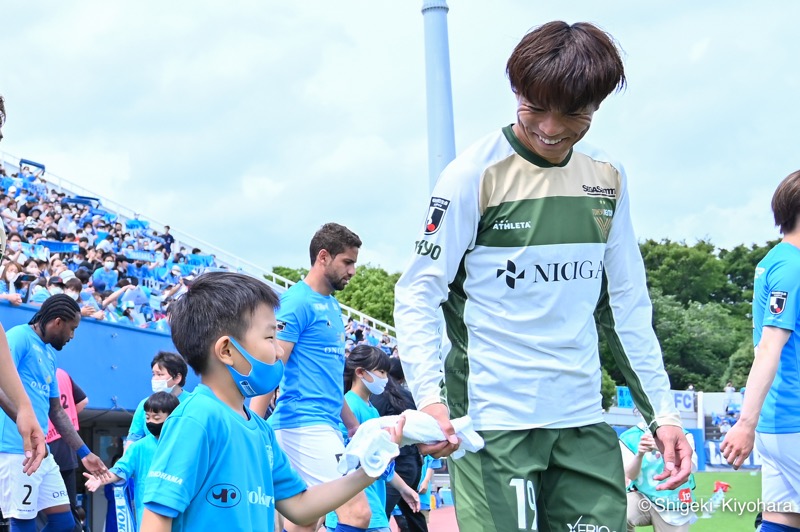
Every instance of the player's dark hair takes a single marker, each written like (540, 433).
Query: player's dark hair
(173, 363)
(333, 238)
(366, 357)
(566, 68)
(786, 203)
(161, 402)
(217, 304)
(57, 306)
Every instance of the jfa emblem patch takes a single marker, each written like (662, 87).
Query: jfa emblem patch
(777, 302)
(436, 213)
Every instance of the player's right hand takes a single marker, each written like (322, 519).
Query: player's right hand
(448, 446)
(96, 467)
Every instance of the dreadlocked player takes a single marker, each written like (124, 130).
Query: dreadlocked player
(33, 349)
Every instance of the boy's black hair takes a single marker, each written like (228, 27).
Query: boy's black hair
(173, 363)
(217, 304)
(161, 402)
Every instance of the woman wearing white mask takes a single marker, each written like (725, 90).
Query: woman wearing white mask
(169, 375)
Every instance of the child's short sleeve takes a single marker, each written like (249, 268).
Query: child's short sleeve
(179, 464)
(286, 482)
(125, 467)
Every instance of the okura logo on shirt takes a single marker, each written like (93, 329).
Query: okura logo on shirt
(436, 212)
(777, 302)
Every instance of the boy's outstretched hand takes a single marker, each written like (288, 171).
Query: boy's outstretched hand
(92, 482)
(396, 432)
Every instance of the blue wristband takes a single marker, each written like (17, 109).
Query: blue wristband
(83, 452)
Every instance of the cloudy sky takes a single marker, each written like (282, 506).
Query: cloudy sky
(249, 124)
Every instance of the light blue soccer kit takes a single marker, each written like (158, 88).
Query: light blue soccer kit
(212, 467)
(776, 303)
(22, 496)
(311, 389)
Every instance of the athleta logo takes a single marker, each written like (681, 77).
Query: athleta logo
(505, 225)
(224, 495)
(511, 274)
(599, 191)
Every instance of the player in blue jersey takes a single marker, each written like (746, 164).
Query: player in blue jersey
(13, 399)
(33, 349)
(366, 374)
(311, 405)
(135, 463)
(169, 375)
(217, 462)
(770, 415)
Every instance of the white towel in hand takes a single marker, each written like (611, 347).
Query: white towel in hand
(370, 439)
(372, 447)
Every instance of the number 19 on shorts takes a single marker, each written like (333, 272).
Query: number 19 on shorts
(526, 498)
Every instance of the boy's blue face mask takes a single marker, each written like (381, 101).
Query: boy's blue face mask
(263, 377)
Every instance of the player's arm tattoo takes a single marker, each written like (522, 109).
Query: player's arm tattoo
(8, 405)
(64, 426)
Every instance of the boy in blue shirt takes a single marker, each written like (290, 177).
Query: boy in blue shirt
(216, 461)
(135, 463)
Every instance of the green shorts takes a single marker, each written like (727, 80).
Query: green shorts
(542, 479)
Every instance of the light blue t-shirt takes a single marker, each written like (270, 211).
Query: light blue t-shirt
(376, 492)
(212, 466)
(36, 365)
(135, 464)
(109, 278)
(776, 303)
(138, 429)
(428, 462)
(311, 389)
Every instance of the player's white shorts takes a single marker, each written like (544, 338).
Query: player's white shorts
(780, 469)
(22, 496)
(313, 451)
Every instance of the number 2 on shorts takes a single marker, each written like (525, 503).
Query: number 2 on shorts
(525, 491)
(26, 500)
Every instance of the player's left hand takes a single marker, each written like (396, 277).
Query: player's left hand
(96, 467)
(738, 444)
(677, 454)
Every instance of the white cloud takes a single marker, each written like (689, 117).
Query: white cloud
(249, 124)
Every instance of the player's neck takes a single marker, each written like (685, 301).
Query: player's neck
(793, 238)
(360, 390)
(318, 282)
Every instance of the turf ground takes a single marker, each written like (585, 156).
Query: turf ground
(745, 490)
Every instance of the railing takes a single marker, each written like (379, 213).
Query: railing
(184, 239)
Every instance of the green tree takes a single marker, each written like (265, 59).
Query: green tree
(293, 274)
(688, 273)
(371, 291)
(739, 265)
(608, 388)
(739, 365)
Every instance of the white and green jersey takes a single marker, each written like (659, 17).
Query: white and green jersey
(520, 254)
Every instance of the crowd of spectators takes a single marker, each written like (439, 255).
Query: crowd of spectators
(119, 271)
